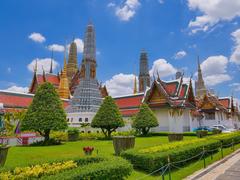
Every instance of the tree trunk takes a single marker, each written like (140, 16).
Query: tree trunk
(104, 132)
(145, 131)
(109, 133)
(46, 134)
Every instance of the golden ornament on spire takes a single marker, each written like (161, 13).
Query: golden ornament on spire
(63, 89)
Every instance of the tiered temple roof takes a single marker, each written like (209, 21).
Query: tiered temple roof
(172, 94)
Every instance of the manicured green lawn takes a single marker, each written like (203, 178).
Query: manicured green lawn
(23, 156)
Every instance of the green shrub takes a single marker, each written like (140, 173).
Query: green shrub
(59, 135)
(73, 134)
(124, 133)
(201, 133)
(110, 168)
(166, 134)
(227, 139)
(189, 134)
(216, 131)
(154, 159)
(48, 142)
(92, 135)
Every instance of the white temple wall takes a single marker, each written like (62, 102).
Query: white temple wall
(127, 125)
(163, 120)
(76, 119)
(186, 120)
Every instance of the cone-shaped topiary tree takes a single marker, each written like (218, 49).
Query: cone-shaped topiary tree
(144, 120)
(108, 117)
(45, 113)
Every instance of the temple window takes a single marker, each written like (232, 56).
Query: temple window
(86, 119)
(209, 115)
(80, 119)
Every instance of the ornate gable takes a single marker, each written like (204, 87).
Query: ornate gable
(156, 95)
(207, 104)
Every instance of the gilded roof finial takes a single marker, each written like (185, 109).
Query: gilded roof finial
(51, 66)
(35, 68)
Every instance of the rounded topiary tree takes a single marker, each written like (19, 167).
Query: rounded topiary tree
(45, 113)
(108, 117)
(144, 120)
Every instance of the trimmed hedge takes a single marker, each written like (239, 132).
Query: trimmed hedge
(153, 158)
(151, 161)
(110, 168)
(93, 167)
(228, 138)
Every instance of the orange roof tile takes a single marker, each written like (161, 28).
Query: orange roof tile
(129, 101)
(225, 102)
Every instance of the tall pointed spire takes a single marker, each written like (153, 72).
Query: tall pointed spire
(135, 85)
(63, 89)
(87, 97)
(35, 67)
(72, 65)
(88, 67)
(199, 85)
(51, 65)
(89, 50)
(144, 77)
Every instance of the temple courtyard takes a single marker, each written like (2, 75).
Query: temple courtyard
(24, 156)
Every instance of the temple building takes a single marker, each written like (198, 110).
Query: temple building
(175, 105)
(87, 96)
(39, 79)
(214, 110)
(171, 102)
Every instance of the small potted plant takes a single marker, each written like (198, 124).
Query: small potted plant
(88, 150)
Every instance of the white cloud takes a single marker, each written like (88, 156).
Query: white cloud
(111, 4)
(42, 64)
(161, 1)
(235, 86)
(214, 70)
(215, 79)
(56, 47)
(18, 89)
(37, 37)
(9, 70)
(120, 84)
(213, 11)
(127, 10)
(80, 44)
(61, 48)
(235, 56)
(180, 54)
(163, 68)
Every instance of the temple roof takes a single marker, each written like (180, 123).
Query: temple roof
(15, 100)
(176, 93)
(129, 104)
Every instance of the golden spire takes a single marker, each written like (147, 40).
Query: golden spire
(35, 68)
(135, 86)
(63, 89)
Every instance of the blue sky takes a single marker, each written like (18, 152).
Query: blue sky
(173, 33)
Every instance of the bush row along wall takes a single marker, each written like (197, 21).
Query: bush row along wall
(154, 158)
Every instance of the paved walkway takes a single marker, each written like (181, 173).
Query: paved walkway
(225, 169)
